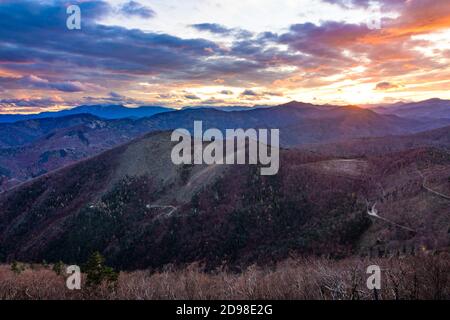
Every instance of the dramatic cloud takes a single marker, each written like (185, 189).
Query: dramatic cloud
(111, 49)
(109, 60)
(346, 51)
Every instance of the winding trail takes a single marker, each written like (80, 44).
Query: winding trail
(373, 212)
(431, 190)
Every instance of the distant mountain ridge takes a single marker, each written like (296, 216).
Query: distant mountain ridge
(300, 122)
(228, 108)
(375, 146)
(432, 109)
(436, 108)
(102, 111)
(27, 131)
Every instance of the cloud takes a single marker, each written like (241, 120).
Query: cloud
(334, 48)
(348, 4)
(192, 97)
(166, 96)
(273, 94)
(35, 82)
(385, 86)
(46, 46)
(249, 92)
(212, 101)
(226, 92)
(114, 57)
(212, 27)
(326, 40)
(219, 29)
(115, 95)
(133, 8)
(113, 98)
(29, 102)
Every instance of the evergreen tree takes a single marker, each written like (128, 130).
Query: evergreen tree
(97, 272)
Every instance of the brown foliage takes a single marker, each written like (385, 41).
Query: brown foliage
(419, 277)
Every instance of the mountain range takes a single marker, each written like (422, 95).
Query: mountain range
(33, 147)
(77, 184)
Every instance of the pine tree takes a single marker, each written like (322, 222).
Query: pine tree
(97, 272)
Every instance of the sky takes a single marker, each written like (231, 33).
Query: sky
(221, 53)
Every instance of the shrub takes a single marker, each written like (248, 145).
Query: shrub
(17, 267)
(58, 268)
